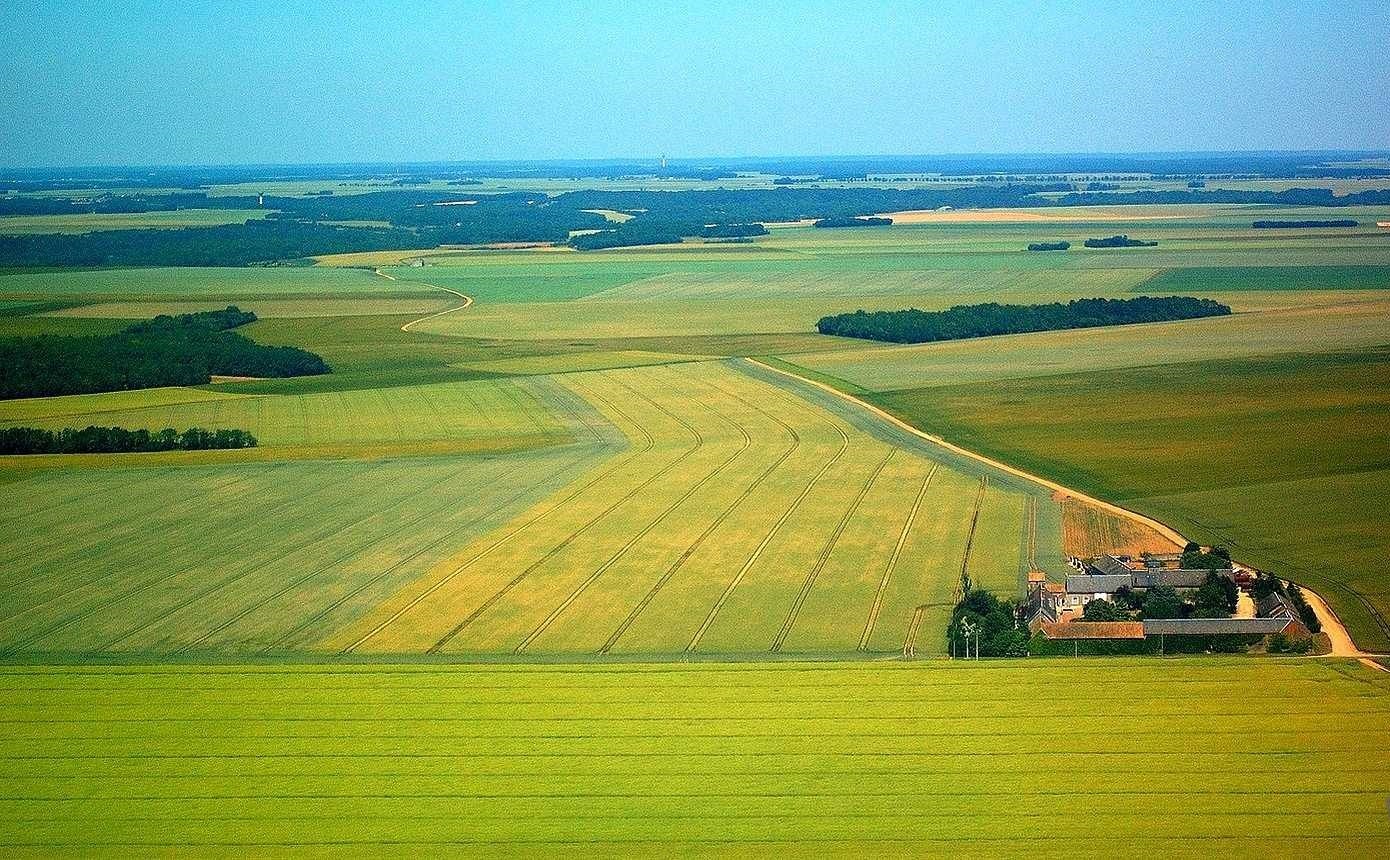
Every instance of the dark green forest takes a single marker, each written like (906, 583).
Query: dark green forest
(185, 350)
(983, 320)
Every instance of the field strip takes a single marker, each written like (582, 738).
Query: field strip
(893, 561)
(134, 519)
(772, 533)
(71, 589)
(372, 540)
(557, 548)
(421, 550)
(329, 531)
(974, 522)
(1032, 532)
(648, 444)
(643, 532)
(1343, 646)
(825, 552)
(710, 529)
(467, 301)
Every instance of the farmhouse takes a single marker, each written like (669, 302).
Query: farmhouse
(1106, 575)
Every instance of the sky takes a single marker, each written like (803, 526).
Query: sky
(294, 82)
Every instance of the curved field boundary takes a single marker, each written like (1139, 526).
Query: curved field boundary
(1166, 531)
(1326, 616)
(893, 561)
(825, 552)
(642, 532)
(467, 301)
(710, 529)
(557, 548)
(772, 533)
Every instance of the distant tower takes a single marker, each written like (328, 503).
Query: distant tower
(260, 199)
(663, 161)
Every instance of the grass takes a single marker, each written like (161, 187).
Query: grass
(1230, 279)
(196, 283)
(89, 222)
(733, 499)
(738, 519)
(404, 415)
(270, 308)
(695, 759)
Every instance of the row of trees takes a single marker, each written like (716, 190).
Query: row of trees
(982, 320)
(1120, 241)
(184, 350)
(1049, 246)
(106, 440)
(853, 222)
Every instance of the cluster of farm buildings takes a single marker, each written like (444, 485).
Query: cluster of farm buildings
(1056, 609)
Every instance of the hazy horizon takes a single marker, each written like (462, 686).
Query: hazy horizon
(103, 84)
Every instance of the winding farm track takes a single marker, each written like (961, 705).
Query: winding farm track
(1342, 643)
(467, 301)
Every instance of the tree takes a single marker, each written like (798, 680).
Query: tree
(1163, 602)
(1103, 610)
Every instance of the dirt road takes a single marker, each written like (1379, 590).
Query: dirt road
(467, 301)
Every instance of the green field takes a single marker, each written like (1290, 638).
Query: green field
(738, 517)
(1178, 757)
(87, 222)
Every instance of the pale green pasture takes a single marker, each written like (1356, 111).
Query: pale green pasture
(481, 410)
(1293, 329)
(270, 308)
(89, 222)
(218, 283)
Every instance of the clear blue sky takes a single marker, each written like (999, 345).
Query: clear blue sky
(251, 82)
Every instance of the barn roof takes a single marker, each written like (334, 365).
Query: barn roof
(1081, 583)
(1094, 630)
(1214, 626)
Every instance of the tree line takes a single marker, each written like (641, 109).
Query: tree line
(991, 318)
(1121, 241)
(1048, 246)
(184, 350)
(118, 440)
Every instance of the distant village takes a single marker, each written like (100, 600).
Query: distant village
(1196, 600)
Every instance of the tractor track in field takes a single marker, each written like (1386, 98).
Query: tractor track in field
(825, 552)
(643, 532)
(617, 463)
(1032, 532)
(872, 620)
(451, 535)
(710, 529)
(91, 582)
(467, 300)
(326, 533)
(135, 526)
(570, 538)
(767, 539)
(81, 615)
(344, 556)
(974, 522)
